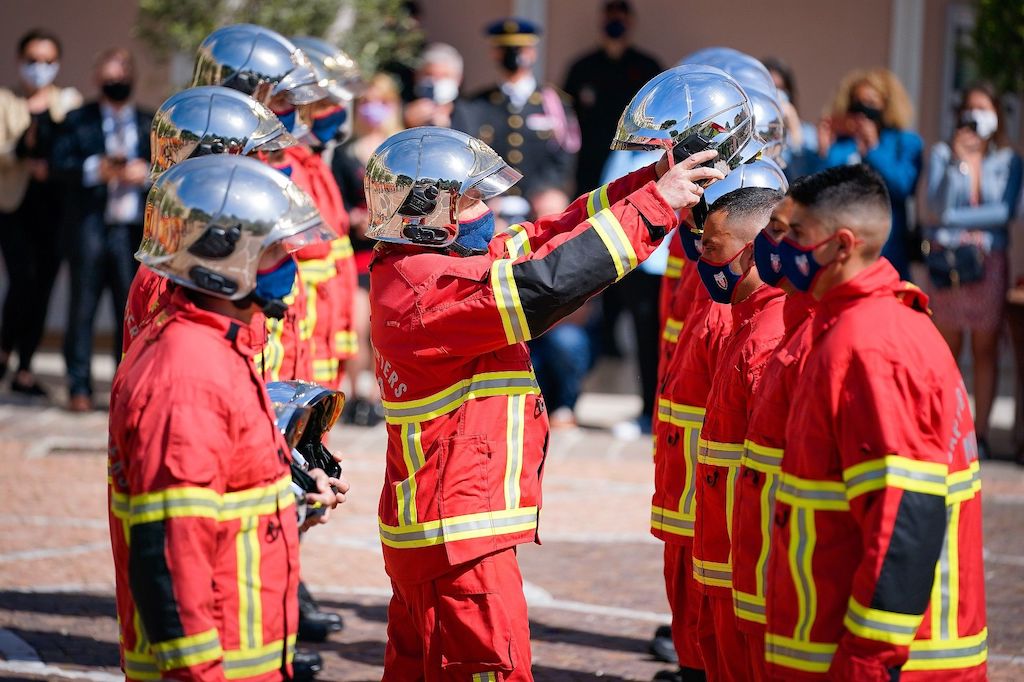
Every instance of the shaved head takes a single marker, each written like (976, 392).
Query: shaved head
(744, 212)
(851, 197)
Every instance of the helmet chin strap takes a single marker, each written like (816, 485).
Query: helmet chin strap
(274, 308)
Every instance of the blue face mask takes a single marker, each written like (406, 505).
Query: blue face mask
(767, 260)
(276, 283)
(475, 235)
(719, 279)
(326, 127)
(691, 243)
(798, 264)
(287, 119)
(287, 170)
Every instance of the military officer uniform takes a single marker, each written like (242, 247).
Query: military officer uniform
(532, 126)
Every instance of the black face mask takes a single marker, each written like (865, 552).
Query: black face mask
(615, 29)
(117, 91)
(510, 59)
(870, 113)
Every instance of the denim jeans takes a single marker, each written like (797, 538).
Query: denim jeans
(101, 258)
(561, 360)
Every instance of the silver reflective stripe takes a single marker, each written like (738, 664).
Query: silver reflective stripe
(743, 604)
(965, 485)
(257, 659)
(712, 572)
(268, 497)
(944, 579)
(800, 493)
(766, 529)
(458, 396)
(895, 471)
(691, 468)
(880, 625)
(516, 407)
(811, 656)
(721, 453)
(952, 652)
(762, 458)
(411, 437)
(801, 525)
(505, 283)
(459, 527)
(166, 659)
(139, 509)
(253, 595)
(681, 524)
(621, 250)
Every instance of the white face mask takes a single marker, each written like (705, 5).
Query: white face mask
(38, 74)
(985, 121)
(441, 90)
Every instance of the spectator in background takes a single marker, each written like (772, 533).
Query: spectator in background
(801, 152)
(378, 117)
(531, 126)
(870, 120)
(436, 86)
(102, 153)
(974, 182)
(601, 83)
(30, 202)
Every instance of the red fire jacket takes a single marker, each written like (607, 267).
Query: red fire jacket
(757, 328)
(758, 479)
(876, 558)
(673, 271)
(202, 527)
(681, 407)
(467, 429)
(146, 295)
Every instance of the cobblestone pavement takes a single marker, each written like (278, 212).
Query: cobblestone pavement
(595, 586)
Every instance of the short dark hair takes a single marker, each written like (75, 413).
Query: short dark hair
(39, 34)
(842, 189)
(753, 202)
(621, 6)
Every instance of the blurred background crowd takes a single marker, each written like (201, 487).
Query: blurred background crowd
(927, 93)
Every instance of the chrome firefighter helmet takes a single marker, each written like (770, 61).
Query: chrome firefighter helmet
(307, 412)
(748, 71)
(769, 124)
(257, 61)
(212, 120)
(694, 107)
(418, 180)
(760, 173)
(338, 73)
(208, 221)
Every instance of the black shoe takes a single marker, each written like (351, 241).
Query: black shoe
(661, 647)
(668, 676)
(33, 390)
(315, 624)
(306, 665)
(984, 451)
(362, 412)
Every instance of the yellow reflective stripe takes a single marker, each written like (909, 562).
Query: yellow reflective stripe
(506, 298)
(141, 642)
(515, 433)
(597, 200)
(342, 248)
(483, 385)
(881, 626)
(964, 485)
(762, 458)
(484, 677)
(677, 414)
(807, 494)
(249, 662)
(184, 652)
(798, 654)
(325, 369)
(412, 454)
(749, 606)
(730, 498)
(672, 521)
(346, 343)
(720, 454)
(893, 471)
(674, 267)
(203, 503)
(316, 270)
(672, 329)
(141, 665)
(518, 243)
(714, 573)
(948, 654)
(465, 527)
(951, 567)
(250, 606)
(767, 501)
(271, 360)
(802, 539)
(308, 322)
(615, 241)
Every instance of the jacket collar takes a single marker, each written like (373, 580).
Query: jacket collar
(797, 308)
(878, 279)
(234, 332)
(743, 310)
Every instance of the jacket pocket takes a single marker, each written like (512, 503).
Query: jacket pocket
(464, 476)
(475, 632)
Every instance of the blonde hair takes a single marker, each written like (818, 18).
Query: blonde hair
(388, 87)
(897, 113)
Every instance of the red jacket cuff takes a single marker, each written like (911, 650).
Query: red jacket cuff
(649, 202)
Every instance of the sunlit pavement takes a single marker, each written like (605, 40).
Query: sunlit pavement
(595, 586)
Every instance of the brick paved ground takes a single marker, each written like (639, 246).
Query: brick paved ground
(595, 585)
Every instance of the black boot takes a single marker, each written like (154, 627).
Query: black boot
(315, 625)
(306, 665)
(681, 675)
(661, 647)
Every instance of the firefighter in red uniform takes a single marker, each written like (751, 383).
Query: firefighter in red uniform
(876, 569)
(467, 428)
(193, 123)
(727, 270)
(202, 517)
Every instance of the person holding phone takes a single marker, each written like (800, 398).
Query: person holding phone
(974, 182)
(870, 123)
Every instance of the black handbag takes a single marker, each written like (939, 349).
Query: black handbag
(952, 267)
